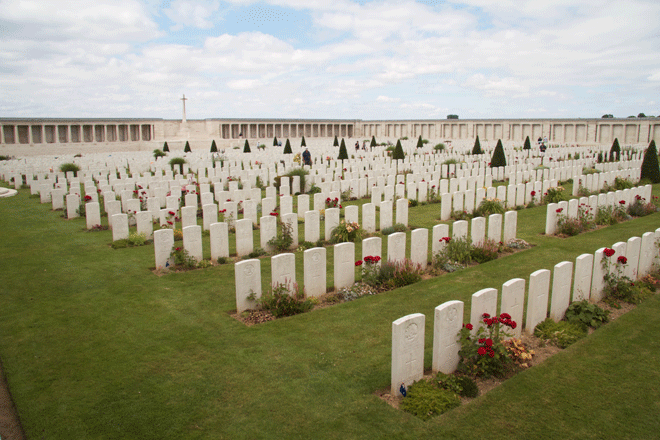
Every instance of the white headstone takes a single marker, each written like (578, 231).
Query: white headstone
(483, 301)
(446, 325)
(369, 218)
(561, 290)
(513, 298)
(119, 227)
(283, 270)
(407, 351)
(344, 262)
(419, 247)
(219, 240)
(459, 230)
(385, 214)
(396, 247)
(145, 224)
(93, 214)
(537, 301)
(510, 226)
(244, 237)
(163, 242)
(597, 282)
(312, 227)
(192, 241)
(331, 221)
(583, 272)
(478, 233)
(247, 276)
(315, 272)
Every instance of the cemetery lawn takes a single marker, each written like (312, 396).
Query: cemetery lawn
(95, 346)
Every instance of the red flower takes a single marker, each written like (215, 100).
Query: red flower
(98, 191)
(178, 249)
(638, 197)
(482, 351)
(559, 210)
(533, 193)
(622, 260)
(169, 222)
(622, 202)
(489, 342)
(274, 214)
(172, 213)
(358, 263)
(481, 340)
(513, 324)
(445, 239)
(491, 353)
(609, 252)
(339, 206)
(486, 315)
(469, 326)
(505, 316)
(88, 198)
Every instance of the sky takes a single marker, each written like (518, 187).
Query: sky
(334, 59)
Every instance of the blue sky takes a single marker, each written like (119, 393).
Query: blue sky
(343, 59)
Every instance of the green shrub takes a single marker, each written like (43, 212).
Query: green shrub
(440, 147)
(70, 167)
(650, 167)
(498, 159)
(256, 253)
(420, 143)
(137, 239)
(284, 238)
(343, 154)
(119, 244)
(469, 386)
(615, 151)
(485, 251)
(287, 148)
(456, 250)
(222, 260)
(586, 314)
(461, 385)
(246, 147)
(302, 142)
(166, 148)
(284, 300)
(214, 147)
(275, 141)
(554, 195)
(187, 149)
(177, 161)
(397, 227)
(346, 232)
(404, 274)
(335, 143)
(425, 400)
(477, 147)
(488, 207)
(639, 207)
(621, 183)
(398, 153)
(373, 142)
(159, 153)
(562, 333)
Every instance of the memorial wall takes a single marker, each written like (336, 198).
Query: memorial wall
(34, 136)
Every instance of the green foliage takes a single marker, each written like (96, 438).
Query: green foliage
(424, 400)
(275, 141)
(180, 257)
(639, 207)
(587, 314)
(621, 183)
(554, 195)
(618, 286)
(302, 142)
(456, 250)
(650, 167)
(343, 154)
(246, 147)
(159, 153)
(257, 252)
(214, 147)
(398, 151)
(572, 226)
(440, 147)
(284, 238)
(287, 148)
(462, 385)
(284, 300)
(488, 207)
(498, 159)
(477, 147)
(137, 239)
(609, 215)
(450, 162)
(166, 148)
(615, 151)
(452, 116)
(397, 227)
(222, 260)
(346, 232)
(420, 144)
(187, 149)
(562, 333)
(70, 167)
(387, 275)
(336, 142)
(483, 352)
(373, 142)
(528, 144)
(177, 161)
(300, 172)
(484, 252)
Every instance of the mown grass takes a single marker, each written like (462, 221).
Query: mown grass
(96, 346)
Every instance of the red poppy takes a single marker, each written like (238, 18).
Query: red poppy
(469, 326)
(622, 260)
(482, 351)
(358, 263)
(609, 252)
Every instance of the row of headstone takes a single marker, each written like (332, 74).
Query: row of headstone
(587, 273)
(591, 204)
(344, 256)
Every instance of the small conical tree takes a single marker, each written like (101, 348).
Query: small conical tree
(477, 147)
(303, 143)
(615, 151)
(246, 148)
(420, 144)
(498, 159)
(343, 154)
(187, 149)
(165, 147)
(287, 148)
(650, 168)
(214, 147)
(336, 142)
(275, 141)
(528, 144)
(398, 151)
(373, 142)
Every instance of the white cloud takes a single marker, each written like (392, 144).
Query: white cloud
(192, 13)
